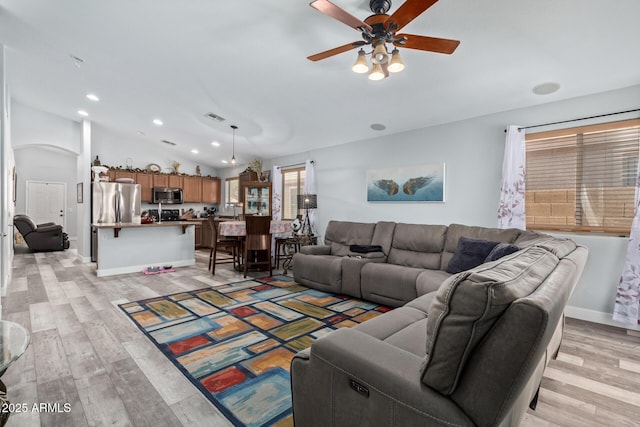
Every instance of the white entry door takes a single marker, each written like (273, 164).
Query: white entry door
(46, 202)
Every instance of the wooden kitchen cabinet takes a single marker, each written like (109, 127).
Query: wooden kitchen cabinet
(167, 181)
(198, 234)
(115, 174)
(146, 186)
(161, 180)
(211, 190)
(192, 189)
(175, 181)
(206, 234)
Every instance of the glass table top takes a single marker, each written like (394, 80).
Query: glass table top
(14, 340)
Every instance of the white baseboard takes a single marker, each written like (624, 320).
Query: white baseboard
(596, 317)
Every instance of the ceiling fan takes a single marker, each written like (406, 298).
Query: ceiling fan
(379, 29)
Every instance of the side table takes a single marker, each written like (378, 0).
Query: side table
(14, 340)
(292, 245)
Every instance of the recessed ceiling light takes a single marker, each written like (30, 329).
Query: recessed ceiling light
(215, 144)
(546, 88)
(83, 113)
(157, 122)
(194, 151)
(225, 162)
(93, 97)
(378, 126)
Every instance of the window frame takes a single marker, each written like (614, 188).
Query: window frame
(227, 190)
(300, 188)
(579, 133)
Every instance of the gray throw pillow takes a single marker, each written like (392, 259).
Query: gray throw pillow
(469, 253)
(500, 250)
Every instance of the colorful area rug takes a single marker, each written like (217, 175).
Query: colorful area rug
(235, 342)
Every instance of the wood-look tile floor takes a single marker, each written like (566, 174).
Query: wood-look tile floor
(86, 353)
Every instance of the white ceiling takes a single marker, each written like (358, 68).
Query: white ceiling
(245, 60)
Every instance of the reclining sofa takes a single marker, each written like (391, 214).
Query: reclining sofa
(41, 237)
(464, 348)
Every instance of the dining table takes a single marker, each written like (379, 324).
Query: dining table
(239, 228)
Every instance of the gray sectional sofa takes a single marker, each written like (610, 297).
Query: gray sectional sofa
(413, 259)
(463, 349)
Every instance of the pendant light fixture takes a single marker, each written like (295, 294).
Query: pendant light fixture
(233, 156)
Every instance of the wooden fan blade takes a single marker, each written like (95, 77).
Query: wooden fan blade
(431, 44)
(409, 11)
(335, 12)
(335, 51)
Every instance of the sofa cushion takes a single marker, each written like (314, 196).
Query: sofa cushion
(341, 234)
(500, 250)
(455, 231)
(403, 329)
(417, 245)
(422, 303)
(468, 304)
(388, 284)
(469, 253)
(430, 281)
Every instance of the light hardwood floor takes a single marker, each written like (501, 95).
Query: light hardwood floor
(85, 352)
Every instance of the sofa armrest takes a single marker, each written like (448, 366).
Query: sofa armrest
(322, 382)
(49, 229)
(315, 250)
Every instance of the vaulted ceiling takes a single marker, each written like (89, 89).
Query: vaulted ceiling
(245, 60)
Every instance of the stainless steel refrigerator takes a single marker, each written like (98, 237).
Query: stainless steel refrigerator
(115, 202)
(112, 202)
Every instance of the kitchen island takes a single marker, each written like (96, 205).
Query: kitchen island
(129, 248)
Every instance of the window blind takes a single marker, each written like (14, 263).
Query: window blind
(583, 179)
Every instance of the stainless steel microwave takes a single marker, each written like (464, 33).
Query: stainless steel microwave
(167, 195)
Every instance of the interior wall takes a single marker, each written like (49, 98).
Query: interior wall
(45, 147)
(472, 151)
(48, 164)
(7, 164)
(39, 128)
(114, 149)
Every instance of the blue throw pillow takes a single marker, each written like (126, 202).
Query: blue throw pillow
(500, 250)
(469, 253)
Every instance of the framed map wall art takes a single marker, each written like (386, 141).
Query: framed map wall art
(424, 183)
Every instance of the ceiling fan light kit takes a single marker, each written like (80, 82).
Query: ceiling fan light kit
(379, 29)
(380, 54)
(377, 73)
(360, 66)
(395, 65)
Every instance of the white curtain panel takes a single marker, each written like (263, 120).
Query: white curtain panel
(511, 212)
(627, 305)
(276, 189)
(310, 188)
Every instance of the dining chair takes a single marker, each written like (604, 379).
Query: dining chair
(257, 240)
(222, 243)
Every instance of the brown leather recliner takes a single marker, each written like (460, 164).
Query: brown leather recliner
(41, 237)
